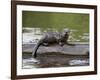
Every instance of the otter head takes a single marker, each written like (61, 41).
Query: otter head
(64, 37)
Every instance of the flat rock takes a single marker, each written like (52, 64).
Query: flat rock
(78, 49)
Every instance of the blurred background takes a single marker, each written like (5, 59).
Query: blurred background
(36, 23)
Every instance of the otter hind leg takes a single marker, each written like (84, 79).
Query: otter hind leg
(45, 44)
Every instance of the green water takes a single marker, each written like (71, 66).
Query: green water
(78, 23)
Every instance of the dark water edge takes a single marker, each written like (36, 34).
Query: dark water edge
(47, 60)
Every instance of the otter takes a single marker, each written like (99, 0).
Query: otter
(49, 38)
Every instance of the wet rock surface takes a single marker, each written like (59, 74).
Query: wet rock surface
(78, 49)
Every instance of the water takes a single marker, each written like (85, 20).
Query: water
(31, 35)
(54, 60)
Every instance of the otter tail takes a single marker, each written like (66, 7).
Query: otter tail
(34, 53)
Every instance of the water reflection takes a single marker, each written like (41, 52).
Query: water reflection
(54, 60)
